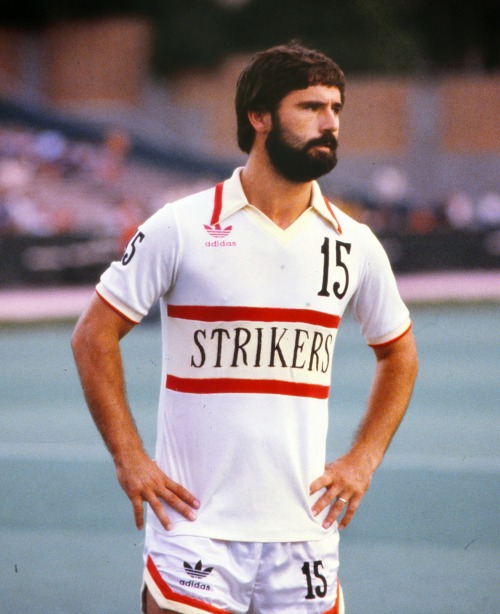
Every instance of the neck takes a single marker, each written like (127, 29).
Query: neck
(282, 201)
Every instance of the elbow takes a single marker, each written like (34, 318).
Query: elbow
(414, 355)
(77, 340)
(415, 366)
(82, 336)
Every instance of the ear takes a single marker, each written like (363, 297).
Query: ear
(261, 121)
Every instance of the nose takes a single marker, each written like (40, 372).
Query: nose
(329, 121)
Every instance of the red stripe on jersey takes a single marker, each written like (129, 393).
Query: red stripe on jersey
(327, 203)
(169, 594)
(217, 204)
(252, 314)
(246, 386)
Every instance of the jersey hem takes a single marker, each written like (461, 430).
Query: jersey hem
(216, 533)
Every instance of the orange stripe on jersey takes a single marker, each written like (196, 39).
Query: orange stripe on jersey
(169, 594)
(217, 204)
(246, 386)
(381, 345)
(252, 314)
(115, 309)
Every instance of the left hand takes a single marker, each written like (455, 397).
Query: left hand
(346, 478)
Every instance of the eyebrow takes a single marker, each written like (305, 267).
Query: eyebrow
(320, 103)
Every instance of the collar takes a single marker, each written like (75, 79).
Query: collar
(230, 197)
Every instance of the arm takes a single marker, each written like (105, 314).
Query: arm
(95, 345)
(349, 476)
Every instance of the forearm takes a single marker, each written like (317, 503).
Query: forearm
(96, 348)
(99, 362)
(390, 393)
(347, 479)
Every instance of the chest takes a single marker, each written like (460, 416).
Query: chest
(243, 263)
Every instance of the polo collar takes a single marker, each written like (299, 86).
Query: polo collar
(230, 197)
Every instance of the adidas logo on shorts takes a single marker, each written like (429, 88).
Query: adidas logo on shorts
(197, 573)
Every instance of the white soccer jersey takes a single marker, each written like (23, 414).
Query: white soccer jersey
(249, 319)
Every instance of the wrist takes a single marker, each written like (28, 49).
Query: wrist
(127, 454)
(366, 456)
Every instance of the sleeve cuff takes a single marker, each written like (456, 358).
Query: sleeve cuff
(112, 301)
(392, 336)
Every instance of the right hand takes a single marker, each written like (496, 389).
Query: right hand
(143, 481)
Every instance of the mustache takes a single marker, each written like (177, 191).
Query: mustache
(327, 140)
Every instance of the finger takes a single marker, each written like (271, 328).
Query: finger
(341, 504)
(322, 482)
(182, 493)
(180, 499)
(178, 505)
(160, 513)
(349, 514)
(138, 512)
(324, 501)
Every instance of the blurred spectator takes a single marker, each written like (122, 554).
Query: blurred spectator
(110, 162)
(422, 220)
(488, 211)
(49, 149)
(50, 184)
(125, 218)
(6, 225)
(14, 174)
(27, 216)
(391, 192)
(459, 211)
(390, 186)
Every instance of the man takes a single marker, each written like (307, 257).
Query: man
(253, 276)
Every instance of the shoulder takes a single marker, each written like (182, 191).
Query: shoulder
(197, 201)
(350, 227)
(183, 210)
(362, 244)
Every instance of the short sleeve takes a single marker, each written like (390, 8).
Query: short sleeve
(147, 269)
(377, 304)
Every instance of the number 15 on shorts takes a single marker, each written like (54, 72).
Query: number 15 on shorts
(316, 582)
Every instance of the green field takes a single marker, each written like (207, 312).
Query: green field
(425, 540)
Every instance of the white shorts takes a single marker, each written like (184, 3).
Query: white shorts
(191, 574)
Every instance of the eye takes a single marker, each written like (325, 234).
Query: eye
(311, 106)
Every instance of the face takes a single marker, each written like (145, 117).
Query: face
(302, 142)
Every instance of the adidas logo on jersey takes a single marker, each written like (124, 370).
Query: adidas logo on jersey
(217, 232)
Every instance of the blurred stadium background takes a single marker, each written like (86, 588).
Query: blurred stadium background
(110, 109)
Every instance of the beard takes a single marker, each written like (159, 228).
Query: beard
(300, 164)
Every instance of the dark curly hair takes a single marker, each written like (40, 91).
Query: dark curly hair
(274, 73)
